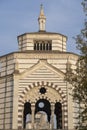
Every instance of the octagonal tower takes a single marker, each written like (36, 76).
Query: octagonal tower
(33, 92)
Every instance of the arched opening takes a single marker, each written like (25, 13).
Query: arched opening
(43, 105)
(26, 113)
(51, 108)
(58, 113)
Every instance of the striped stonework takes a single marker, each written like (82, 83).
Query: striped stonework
(41, 62)
(39, 84)
(6, 101)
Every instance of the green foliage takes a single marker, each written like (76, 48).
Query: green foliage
(78, 77)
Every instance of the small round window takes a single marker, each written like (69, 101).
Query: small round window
(42, 90)
(41, 105)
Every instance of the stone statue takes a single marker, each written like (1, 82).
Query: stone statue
(42, 123)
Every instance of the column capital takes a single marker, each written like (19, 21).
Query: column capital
(52, 114)
(33, 111)
(52, 105)
(33, 106)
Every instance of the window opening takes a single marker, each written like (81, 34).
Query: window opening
(41, 104)
(42, 90)
(43, 45)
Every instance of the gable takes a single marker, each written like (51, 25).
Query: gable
(42, 70)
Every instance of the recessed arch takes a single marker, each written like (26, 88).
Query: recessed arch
(46, 108)
(48, 84)
(39, 84)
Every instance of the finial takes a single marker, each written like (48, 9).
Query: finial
(41, 10)
(42, 19)
(41, 6)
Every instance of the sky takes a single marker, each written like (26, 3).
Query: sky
(21, 16)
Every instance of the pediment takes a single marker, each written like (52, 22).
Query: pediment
(42, 68)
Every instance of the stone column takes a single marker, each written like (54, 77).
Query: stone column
(52, 115)
(33, 112)
(22, 118)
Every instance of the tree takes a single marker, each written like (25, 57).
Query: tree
(79, 75)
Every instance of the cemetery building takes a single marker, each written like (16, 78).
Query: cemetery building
(33, 90)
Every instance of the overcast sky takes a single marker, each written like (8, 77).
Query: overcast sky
(20, 16)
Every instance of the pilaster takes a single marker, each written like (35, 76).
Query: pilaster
(15, 102)
(33, 112)
(52, 115)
